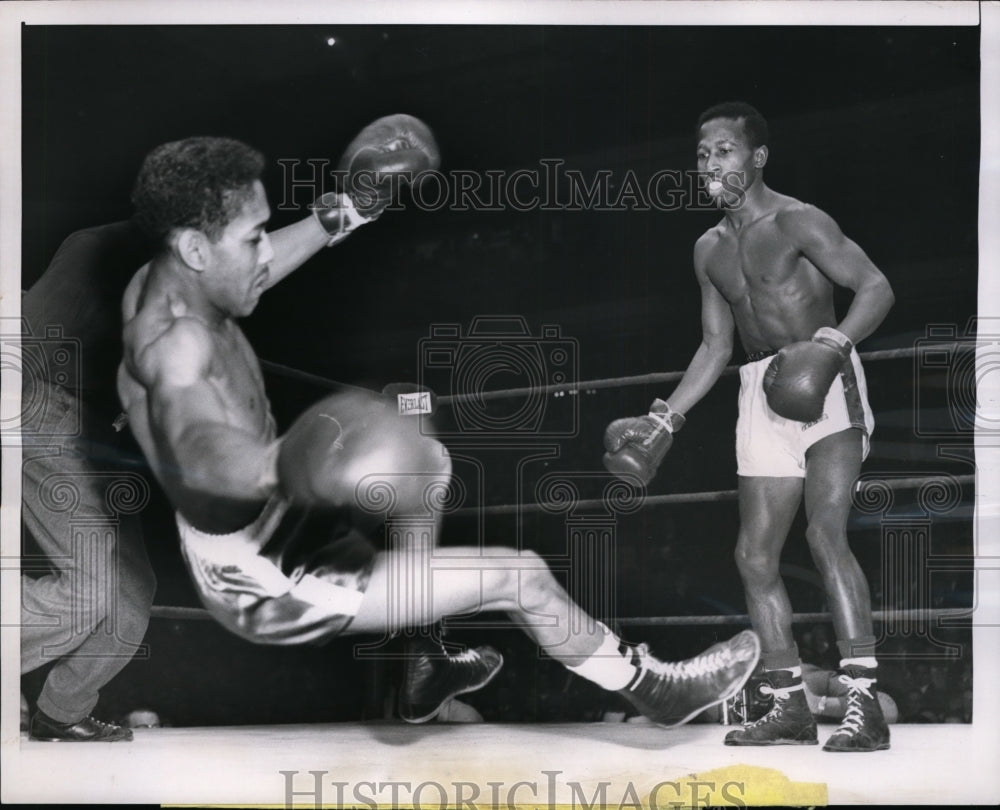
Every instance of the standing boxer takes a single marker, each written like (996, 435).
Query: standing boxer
(768, 271)
(271, 527)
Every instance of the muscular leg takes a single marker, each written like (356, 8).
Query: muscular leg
(767, 509)
(414, 586)
(832, 468)
(410, 588)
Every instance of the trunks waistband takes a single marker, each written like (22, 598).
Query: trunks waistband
(753, 357)
(274, 507)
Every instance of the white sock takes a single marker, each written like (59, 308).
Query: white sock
(795, 671)
(869, 662)
(607, 666)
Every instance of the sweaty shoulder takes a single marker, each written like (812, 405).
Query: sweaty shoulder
(705, 245)
(802, 222)
(174, 354)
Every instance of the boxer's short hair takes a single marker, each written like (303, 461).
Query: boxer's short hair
(754, 124)
(199, 183)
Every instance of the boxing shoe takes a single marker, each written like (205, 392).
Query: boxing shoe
(672, 693)
(45, 729)
(751, 703)
(864, 727)
(432, 679)
(789, 722)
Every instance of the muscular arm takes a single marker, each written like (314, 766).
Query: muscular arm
(190, 420)
(294, 245)
(845, 264)
(716, 347)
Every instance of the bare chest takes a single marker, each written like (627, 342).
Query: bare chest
(756, 261)
(237, 378)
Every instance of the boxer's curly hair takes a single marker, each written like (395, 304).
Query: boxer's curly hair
(754, 124)
(198, 183)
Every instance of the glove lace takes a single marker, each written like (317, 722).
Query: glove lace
(663, 420)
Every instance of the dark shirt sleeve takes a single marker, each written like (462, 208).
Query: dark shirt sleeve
(75, 307)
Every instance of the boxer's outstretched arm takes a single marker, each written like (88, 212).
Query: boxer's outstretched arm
(399, 145)
(333, 219)
(293, 246)
(844, 263)
(711, 357)
(191, 422)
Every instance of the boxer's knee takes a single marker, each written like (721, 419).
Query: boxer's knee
(756, 566)
(527, 581)
(828, 545)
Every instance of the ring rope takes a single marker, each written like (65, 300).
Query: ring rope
(694, 497)
(190, 613)
(305, 376)
(588, 385)
(177, 612)
(661, 377)
(200, 614)
(797, 618)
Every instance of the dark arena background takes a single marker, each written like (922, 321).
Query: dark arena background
(878, 126)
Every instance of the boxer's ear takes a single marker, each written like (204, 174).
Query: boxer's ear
(191, 246)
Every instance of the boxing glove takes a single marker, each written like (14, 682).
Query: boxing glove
(387, 153)
(636, 445)
(349, 450)
(799, 377)
(337, 215)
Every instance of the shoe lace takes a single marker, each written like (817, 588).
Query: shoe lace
(780, 692)
(854, 716)
(781, 695)
(703, 664)
(466, 656)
